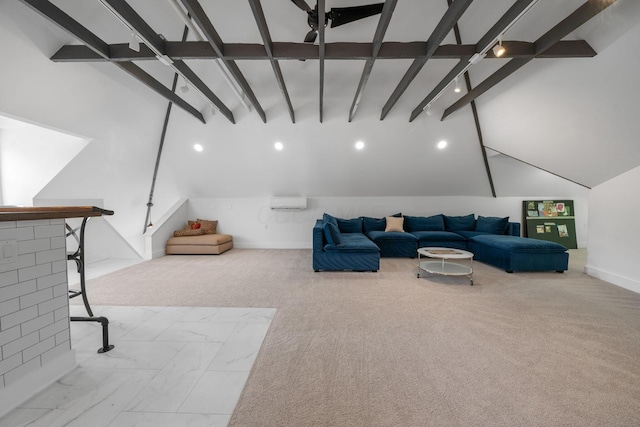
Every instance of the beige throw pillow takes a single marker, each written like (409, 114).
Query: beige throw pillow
(188, 232)
(394, 223)
(208, 226)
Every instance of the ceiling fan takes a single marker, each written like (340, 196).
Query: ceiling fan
(337, 15)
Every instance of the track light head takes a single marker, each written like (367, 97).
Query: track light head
(499, 50)
(134, 43)
(457, 87)
(428, 110)
(185, 87)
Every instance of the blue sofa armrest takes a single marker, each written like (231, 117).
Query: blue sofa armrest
(318, 236)
(513, 229)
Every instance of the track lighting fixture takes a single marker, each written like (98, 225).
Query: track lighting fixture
(185, 87)
(499, 50)
(134, 43)
(457, 87)
(428, 110)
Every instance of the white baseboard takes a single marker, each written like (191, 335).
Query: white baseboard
(33, 383)
(159, 253)
(616, 279)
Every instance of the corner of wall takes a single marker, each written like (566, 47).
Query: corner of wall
(156, 239)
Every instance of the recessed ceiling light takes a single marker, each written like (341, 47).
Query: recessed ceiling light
(359, 145)
(442, 144)
(198, 147)
(278, 146)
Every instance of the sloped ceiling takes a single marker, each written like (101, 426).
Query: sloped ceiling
(571, 117)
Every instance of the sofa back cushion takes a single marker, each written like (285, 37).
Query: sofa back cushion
(353, 225)
(329, 218)
(332, 234)
(373, 224)
(454, 223)
(421, 223)
(492, 224)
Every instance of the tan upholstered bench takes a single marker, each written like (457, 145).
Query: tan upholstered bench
(206, 244)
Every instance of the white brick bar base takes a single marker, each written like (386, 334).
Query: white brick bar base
(35, 345)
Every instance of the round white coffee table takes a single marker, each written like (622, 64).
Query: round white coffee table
(442, 266)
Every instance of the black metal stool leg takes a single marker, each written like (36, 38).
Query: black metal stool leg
(78, 257)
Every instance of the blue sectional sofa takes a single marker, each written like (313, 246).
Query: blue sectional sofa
(357, 244)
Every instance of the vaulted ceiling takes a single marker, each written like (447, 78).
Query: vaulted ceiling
(228, 32)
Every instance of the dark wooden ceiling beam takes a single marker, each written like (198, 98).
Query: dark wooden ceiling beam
(321, 52)
(202, 20)
(449, 19)
(581, 15)
(296, 51)
(261, 21)
(483, 46)
(474, 110)
(98, 47)
(381, 29)
(157, 46)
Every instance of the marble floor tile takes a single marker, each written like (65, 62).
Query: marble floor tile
(170, 387)
(23, 417)
(174, 366)
(241, 348)
(200, 314)
(136, 355)
(151, 419)
(197, 331)
(217, 392)
(244, 315)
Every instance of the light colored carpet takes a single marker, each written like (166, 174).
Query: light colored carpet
(388, 349)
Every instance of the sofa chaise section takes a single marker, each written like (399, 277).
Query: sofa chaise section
(513, 253)
(353, 252)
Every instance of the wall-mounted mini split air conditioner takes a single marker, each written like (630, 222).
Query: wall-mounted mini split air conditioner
(288, 203)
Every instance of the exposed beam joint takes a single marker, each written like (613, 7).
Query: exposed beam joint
(451, 16)
(261, 21)
(202, 20)
(99, 47)
(383, 24)
(482, 47)
(156, 43)
(581, 15)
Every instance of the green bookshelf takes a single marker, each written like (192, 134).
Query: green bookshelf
(551, 220)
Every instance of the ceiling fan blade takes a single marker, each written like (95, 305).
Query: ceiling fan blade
(311, 36)
(302, 5)
(344, 15)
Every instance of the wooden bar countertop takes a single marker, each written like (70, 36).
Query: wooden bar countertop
(50, 212)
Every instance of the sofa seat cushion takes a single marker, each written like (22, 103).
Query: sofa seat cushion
(353, 242)
(440, 236)
(381, 236)
(469, 234)
(205, 239)
(517, 244)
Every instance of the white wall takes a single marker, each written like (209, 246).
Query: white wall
(254, 225)
(614, 228)
(30, 156)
